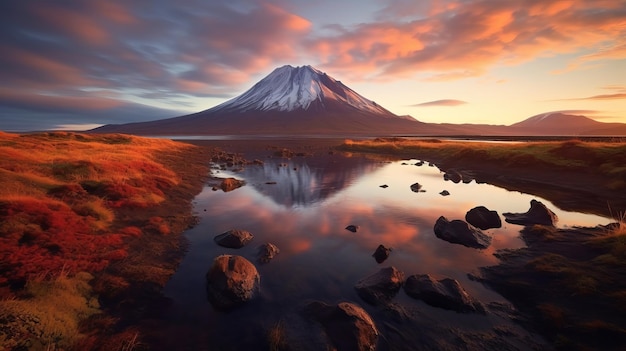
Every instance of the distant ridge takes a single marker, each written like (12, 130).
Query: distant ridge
(559, 123)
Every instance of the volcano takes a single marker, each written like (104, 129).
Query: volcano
(290, 100)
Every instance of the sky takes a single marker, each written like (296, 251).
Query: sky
(75, 64)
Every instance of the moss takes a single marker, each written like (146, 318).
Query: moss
(49, 315)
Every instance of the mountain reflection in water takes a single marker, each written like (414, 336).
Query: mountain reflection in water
(295, 182)
(305, 214)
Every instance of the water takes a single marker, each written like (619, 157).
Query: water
(305, 214)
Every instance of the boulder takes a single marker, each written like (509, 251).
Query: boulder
(266, 252)
(347, 325)
(444, 193)
(234, 238)
(230, 184)
(381, 253)
(453, 176)
(445, 293)
(231, 281)
(353, 228)
(460, 232)
(416, 187)
(483, 218)
(380, 287)
(537, 214)
(384, 186)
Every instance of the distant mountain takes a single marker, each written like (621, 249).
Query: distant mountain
(558, 123)
(290, 100)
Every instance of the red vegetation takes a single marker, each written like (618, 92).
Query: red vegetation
(42, 236)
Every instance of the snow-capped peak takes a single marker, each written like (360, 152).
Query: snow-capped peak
(290, 88)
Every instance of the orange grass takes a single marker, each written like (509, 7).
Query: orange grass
(59, 194)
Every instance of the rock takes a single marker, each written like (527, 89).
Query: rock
(352, 228)
(231, 281)
(446, 293)
(384, 186)
(284, 153)
(416, 187)
(381, 253)
(444, 193)
(380, 287)
(483, 218)
(460, 232)
(419, 163)
(234, 238)
(453, 175)
(537, 214)
(230, 184)
(266, 252)
(347, 325)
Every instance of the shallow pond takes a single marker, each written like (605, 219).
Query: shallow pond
(305, 214)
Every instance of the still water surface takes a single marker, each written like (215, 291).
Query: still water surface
(305, 214)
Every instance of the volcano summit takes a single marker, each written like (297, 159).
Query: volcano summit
(290, 100)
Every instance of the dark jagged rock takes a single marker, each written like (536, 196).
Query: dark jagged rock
(347, 325)
(266, 252)
(230, 184)
(352, 228)
(537, 214)
(483, 218)
(453, 176)
(460, 232)
(380, 287)
(381, 253)
(444, 193)
(384, 186)
(445, 293)
(416, 187)
(234, 238)
(231, 281)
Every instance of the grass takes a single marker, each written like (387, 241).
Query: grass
(607, 157)
(72, 207)
(49, 314)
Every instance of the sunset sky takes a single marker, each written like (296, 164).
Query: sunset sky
(77, 64)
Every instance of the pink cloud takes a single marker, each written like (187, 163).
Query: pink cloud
(453, 40)
(444, 102)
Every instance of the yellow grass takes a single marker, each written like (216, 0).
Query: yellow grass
(49, 318)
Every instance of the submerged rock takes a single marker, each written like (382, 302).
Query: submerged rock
(380, 287)
(445, 293)
(483, 218)
(231, 281)
(353, 228)
(266, 252)
(537, 214)
(347, 325)
(381, 253)
(234, 238)
(460, 232)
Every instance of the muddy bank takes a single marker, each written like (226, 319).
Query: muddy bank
(574, 175)
(571, 282)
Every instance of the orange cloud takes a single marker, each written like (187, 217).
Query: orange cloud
(464, 39)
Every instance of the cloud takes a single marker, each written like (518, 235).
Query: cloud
(452, 40)
(105, 54)
(617, 96)
(444, 102)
